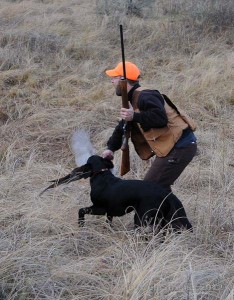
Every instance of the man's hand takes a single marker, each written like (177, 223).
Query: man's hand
(127, 113)
(108, 154)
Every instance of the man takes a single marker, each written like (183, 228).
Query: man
(156, 126)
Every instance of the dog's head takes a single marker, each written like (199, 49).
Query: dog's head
(94, 165)
(98, 163)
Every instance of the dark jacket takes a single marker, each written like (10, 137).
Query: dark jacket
(152, 115)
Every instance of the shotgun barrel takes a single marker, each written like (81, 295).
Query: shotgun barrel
(125, 160)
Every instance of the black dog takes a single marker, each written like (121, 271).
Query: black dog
(113, 197)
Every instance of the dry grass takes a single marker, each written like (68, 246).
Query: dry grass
(52, 60)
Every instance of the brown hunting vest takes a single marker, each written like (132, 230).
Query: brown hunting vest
(159, 141)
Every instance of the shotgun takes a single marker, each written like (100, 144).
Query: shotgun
(125, 160)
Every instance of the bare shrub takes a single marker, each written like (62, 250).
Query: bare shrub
(216, 15)
(36, 46)
(3, 118)
(112, 8)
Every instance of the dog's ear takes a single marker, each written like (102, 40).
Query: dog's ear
(108, 163)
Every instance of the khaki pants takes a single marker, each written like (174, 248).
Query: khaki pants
(165, 170)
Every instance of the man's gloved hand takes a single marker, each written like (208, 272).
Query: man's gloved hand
(108, 154)
(127, 113)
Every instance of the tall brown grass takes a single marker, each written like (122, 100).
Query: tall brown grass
(53, 54)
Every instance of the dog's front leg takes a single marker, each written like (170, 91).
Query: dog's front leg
(109, 220)
(91, 210)
(81, 215)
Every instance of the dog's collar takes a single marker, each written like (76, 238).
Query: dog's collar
(98, 172)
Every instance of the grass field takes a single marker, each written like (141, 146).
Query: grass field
(53, 54)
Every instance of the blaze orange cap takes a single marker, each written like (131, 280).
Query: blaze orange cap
(132, 71)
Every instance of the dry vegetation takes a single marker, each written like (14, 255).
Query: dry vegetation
(53, 54)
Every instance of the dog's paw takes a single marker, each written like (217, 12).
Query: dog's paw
(81, 223)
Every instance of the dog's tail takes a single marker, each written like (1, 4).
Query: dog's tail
(81, 147)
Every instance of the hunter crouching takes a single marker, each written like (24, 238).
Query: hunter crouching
(157, 127)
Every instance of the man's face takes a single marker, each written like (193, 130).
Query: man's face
(115, 81)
